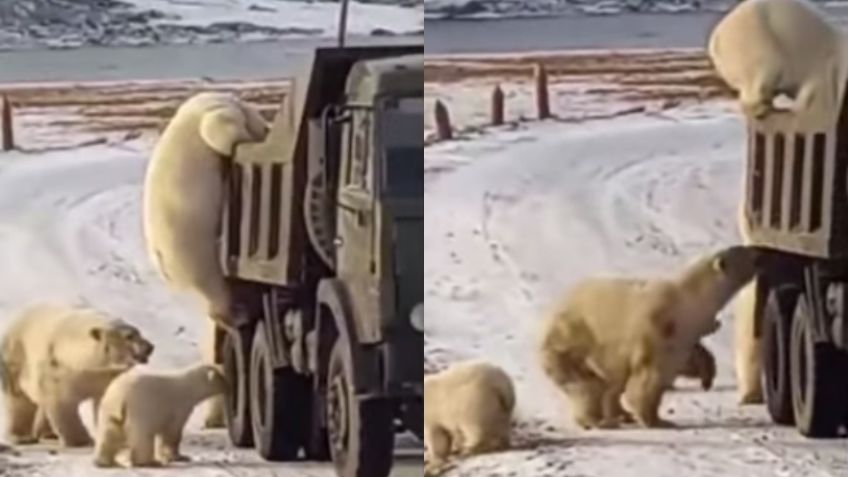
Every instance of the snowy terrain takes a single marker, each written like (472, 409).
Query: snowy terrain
(517, 214)
(70, 229)
(72, 23)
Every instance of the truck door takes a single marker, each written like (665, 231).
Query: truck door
(356, 224)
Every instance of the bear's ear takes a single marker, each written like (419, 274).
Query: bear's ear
(719, 264)
(223, 128)
(97, 333)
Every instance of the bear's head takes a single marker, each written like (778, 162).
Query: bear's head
(738, 264)
(226, 122)
(120, 344)
(214, 380)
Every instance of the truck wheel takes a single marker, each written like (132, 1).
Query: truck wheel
(360, 432)
(237, 409)
(818, 373)
(777, 322)
(279, 404)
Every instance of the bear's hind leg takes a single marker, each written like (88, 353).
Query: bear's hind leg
(20, 417)
(437, 441)
(479, 440)
(214, 407)
(110, 440)
(41, 427)
(643, 396)
(65, 419)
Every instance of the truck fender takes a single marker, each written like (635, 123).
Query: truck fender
(333, 298)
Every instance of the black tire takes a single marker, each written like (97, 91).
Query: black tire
(360, 432)
(777, 323)
(237, 404)
(279, 404)
(818, 379)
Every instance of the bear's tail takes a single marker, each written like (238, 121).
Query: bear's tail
(505, 393)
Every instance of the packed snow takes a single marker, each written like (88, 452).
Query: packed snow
(71, 23)
(516, 214)
(70, 230)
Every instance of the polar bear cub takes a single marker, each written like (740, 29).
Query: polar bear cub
(184, 193)
(146, 410)
(468, 408)
(765, 48)
(614, 345)
(55, 356)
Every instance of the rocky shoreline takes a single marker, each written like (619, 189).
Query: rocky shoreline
(74, 23)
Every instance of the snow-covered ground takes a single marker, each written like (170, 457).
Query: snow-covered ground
(72, 23)
(517, 214)
(70, 229)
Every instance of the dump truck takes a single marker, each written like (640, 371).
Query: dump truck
(796, 208)
(322, 246)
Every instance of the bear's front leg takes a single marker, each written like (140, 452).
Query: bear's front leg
(20, 414)
(142, 446)
(613, 413)
(643, 396)
(586, 400)
(110, 440)
(65, 419)
(168, 448)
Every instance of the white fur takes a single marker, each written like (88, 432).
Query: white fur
(764, 48)
(467, 408)
(184, 191)
(146, 410)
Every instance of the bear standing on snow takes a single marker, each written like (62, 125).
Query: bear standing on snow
(183, 201)
(54, 357)
(765, 48)
(146, 410)
(615, 345)
(468, 408)
(747, 346)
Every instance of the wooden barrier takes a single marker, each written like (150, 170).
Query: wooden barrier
(444, 130)
(497, 106)
(8, 138)
(543, 105)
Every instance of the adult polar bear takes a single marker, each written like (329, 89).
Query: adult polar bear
(616, 342)
(765, 48)
(54, 357)
(183, 199)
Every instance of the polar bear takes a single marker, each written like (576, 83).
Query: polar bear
(747, 346)
(54, 357)
(767, 48)
(615, 345)
(184, 193)
(467, 408)
(183, 200)
(145, 410)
